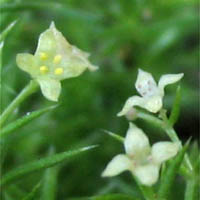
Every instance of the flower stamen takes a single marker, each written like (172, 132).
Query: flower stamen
(58, 71)
(43, 56)
(44, 69)
(57, 59)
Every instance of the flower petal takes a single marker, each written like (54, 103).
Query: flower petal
(117, 165)
(168, 79)
(136, 143)
(26, 62)
(147, 174)
(162, 151)
(50, 88)
(59, 54)
(153, 104)
(83, 58)
(145, 84)
(132, 101)
(52, 42)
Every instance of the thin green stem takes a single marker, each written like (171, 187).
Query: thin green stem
(191, 189)
(151, 118)
(148, 192)
(27, 91)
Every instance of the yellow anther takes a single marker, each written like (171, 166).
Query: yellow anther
(57, 59)
(58, 71)
(44, 69)
(43, 56)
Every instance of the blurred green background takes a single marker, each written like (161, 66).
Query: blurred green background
(122, 35)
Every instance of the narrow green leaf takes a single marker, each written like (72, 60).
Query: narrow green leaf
(7, 30)
(115, 136)
(50, 181)
(168, 179)
(33, 193)
(191, 189)
(108, 197)
(1, 49)
(176, 107)
(23, 121)
(32, 87)
(41, 164)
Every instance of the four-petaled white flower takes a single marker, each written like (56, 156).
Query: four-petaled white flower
(151, 93)
(143, 161)
(54, 60)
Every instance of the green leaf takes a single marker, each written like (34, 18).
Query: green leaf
(1, 49)
(108, 197)
(115, 136)
(169, 176)
(27, 91)
(176, 107)
(23, 121)
(33, 193)
(50, 181)
(41, 164)
(7, 30)
(191, 189)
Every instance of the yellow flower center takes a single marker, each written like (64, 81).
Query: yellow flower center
(44, 69)
(43, 56)
(58, 71)
(57, 59)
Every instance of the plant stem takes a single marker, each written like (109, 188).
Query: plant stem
(27, 91)
(147, 192)
(152, 119)
(191, 189)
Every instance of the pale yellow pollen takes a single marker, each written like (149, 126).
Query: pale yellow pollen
(44, 69)
(58, 71)
(43, 56)
(57, 59)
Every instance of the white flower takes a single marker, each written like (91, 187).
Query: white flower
(141, 159)
(151, 93)
(54, 60)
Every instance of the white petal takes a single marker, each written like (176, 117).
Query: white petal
(26, 62)
(117, 165)
(168, 79)
(162, 151)
(132, 101)
(153, 104)
(50, 88)
(53, 42)
(147, 174)
(145, 84)
(136, 143)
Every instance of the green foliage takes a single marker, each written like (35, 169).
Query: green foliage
(157, 36)
(40, 164)
(29, 89)
(10, 128)
(108, 197)
(115, 136)
(6, 31)
(176, 107)
(49, 185)
(33, 193)
(169, 176)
